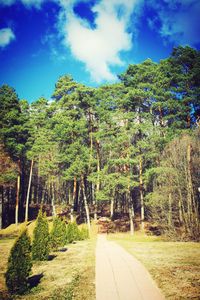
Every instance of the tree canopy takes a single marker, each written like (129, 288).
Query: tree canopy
(131, 144)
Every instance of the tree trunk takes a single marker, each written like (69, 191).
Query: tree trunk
(28, 191)
(189, 185)
(85, 203)
(78, 202)
(141, 195)
(112, 207)
(94, 203)
(182, 214)
(70, 205)
(180, 211)
(170, 210)
(131, 217)
(1, 207)
(183, 205)
(37, 190)
(53, 200)
(130, 205)
(17, 201)
(98, 178)
(91, 154)
(192, 207)
(43, 193)
(73, 200)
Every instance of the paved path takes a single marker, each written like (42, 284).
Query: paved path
(119, 276)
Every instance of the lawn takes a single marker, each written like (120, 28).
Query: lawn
(69, 274)
(175, 266)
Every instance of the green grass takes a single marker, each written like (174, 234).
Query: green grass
(69, 275)
(175, 266)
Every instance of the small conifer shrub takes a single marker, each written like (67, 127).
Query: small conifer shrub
(83, 233)
(58, 234)
(19, 265)
(72, 233)
(40, 246)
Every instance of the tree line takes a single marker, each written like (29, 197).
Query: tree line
(134, 144)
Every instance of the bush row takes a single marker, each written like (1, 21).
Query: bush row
(22, 253)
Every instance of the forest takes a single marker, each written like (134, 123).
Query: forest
(133, 145)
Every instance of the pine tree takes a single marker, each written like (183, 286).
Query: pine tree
(58, 233)
(13, 135)
(19, 265)
(40, 247)
(8, 174)
(43, 151)
(72, 132)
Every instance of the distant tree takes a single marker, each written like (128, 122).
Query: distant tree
(13, 134)
(42, 151)
(40, 246)
(8, 175)
(175, 195)
(72, 133)
(11, 125)
(19, 265)
(184, 68)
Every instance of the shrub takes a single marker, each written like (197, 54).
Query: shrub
(83, 233)
(19, 264)
(72, 233)
(40, 247)
(58, 233)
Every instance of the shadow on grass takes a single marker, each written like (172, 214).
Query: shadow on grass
(51, 257)
(63, 249)
(35, 280)
(4, 237)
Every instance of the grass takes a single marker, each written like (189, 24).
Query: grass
(69, 274)
(175, 266)
(13, 230)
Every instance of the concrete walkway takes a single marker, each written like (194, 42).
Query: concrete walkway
(119, 276)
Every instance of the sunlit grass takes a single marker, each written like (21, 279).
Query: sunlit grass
(175, 266)
(14, 230)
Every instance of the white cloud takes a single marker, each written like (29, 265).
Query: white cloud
(100, 47)
(6, 36)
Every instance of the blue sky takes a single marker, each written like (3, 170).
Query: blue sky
(93, 41)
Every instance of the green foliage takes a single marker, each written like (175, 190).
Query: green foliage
(40, 246)
(72, 233)
(113, 136)
(83, 233)
(176, 183)
(12, 133)
(58, 234)
(19, 265)
(8, 169)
